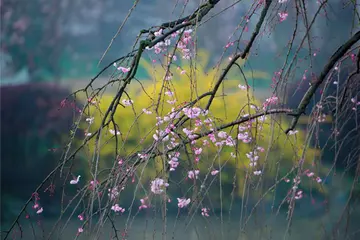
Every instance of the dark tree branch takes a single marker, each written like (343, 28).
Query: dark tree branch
(289, 112)
(202, 11)
(348, 79)
(242, 55)
(340, 52)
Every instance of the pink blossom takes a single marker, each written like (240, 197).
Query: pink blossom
(168, 76)
(182, 202)
(188, 32)
(222, 134)
(123, 69)
(257, 172)
(262, 118)
(173, 163)
(75, 181)
(93, 184)
(81, 217)
(175, 34)
(167, 42)
(117, 208)
(269, 101)
(252, 156)
(242, 87)
(247, 140)
(89, 120)
(158, 33)
(112, 132)
(189, 133)
(212, 137)
(208, 121)
(229, 141)
(205, 142)
(113, 193)
(143, 203)
(219, 144)
(80, 230)
(229, 44)
(261, 149)
(214, 172)
(291, 132)
(243, 136)
(169, 93)
(321, 118)
(192, 112)
(142, 156)
(353, 57)
(40, 210)
(158, 49)
(158, 186)
(198, 151)
(318, 179)
(205, 212)
(127, 102)
(198, 122)
(252, 164)
(146, 111)
(298, 195)
(193, 174)
(283, 16)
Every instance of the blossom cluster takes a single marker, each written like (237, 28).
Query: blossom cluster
(183, 43)
(158, 186)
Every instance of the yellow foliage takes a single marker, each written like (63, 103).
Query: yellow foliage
(229, 104)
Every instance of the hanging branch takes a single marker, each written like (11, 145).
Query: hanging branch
(340, 52)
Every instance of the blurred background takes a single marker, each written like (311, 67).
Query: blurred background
(50, 48)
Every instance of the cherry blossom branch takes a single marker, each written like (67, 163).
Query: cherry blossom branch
(243, 55)
(193, 19)
(289, 112)
(340, 52)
